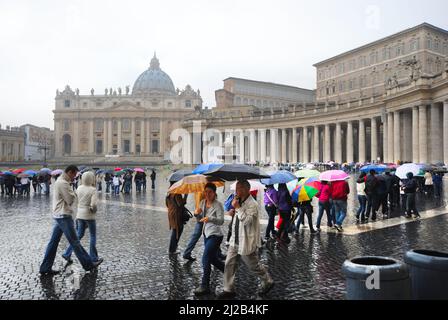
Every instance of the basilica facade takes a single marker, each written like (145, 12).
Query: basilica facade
(126, 124)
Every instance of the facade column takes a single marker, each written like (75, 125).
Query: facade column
(105, 135)
(390, 138)
(327, 146)
(262, 133)
(397, 140)
(91, 138)
(445, 131)
(350, 157)
(338, 144)
(284, 144)
(316, 144)
(435, 140)
(423, 135)
(132, 149)
(110, 135)
(274, 145)
(241, 136)
(415, 136)
(362, 141)
(252, 143)
(306, 156)
(162, 138)
(294, 145)
(142, 136)
(385, 156)
(57, 140)
(119, 151)
(374, 140)
(75, 144)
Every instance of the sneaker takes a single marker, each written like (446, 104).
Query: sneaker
(68, 259)
(312, 231)
(49, 273)
(201, 291)
(226, 295)
(266, 287)
(189, 258)
(339, 228)
(96, 264)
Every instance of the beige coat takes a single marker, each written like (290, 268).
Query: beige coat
(63, 197)
(249, 229)
(87, 197)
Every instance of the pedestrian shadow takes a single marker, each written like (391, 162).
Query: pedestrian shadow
(87, 286)
(47, 283)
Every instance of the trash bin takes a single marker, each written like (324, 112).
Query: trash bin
(376, 278)
(429, 274)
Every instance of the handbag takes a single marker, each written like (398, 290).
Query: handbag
(186, 215)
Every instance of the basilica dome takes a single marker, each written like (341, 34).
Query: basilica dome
(153, 79)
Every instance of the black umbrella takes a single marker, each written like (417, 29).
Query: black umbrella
(232, 172)
(179, 175)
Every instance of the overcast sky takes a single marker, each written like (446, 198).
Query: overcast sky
(45, 45)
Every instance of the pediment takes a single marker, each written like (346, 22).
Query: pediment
(125, 106)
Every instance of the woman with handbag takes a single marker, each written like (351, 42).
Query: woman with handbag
(176, 208)
(271, 205)
(86, 216)
(211, 214)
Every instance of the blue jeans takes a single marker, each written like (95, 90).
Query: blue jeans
(64, 226)
(362, 207)
(81, 226)
(195, 236)
(117, 189)
(127, 187)
(174, 240)
(340, 207)
(272, 212)
(138, 186)
(324, 206)
(332, 212)
(210, 257)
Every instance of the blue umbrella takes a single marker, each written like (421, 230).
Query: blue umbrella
(206, 167)
(379, 168)
(30, 172)
(8, 173)
(45, 170)
(279, 177)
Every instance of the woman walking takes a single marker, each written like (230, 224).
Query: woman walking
(324, 205)
(86, 216)
(211, 214)
(362, 197)
(284, 207)
(270, 204)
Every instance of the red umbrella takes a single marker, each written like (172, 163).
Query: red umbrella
(117, 169)
(18, 171)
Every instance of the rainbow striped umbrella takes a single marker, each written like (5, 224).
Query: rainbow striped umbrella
(306, 190)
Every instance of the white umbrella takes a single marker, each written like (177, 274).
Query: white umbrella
(403, 170)
(254, 185)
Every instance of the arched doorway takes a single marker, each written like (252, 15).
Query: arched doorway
(67, 144)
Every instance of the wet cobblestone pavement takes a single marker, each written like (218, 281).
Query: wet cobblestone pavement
(133, 240)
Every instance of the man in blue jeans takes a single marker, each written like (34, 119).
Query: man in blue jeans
(63, 199)
(339, 191)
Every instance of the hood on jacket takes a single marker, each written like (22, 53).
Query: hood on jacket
(88, 179)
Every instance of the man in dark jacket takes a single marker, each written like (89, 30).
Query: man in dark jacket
(410, 189)
(382, 192)
(153, 179)
(371, 193)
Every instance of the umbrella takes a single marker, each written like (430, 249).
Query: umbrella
(30, 172)
(279, 177)
(232, 172)
(23, 175)
(119, 173)
(179, 175)
(334, 175)
(85, 169)
(56, 172)
(109, 171)
(306, 190)
(8, 173)
(128, 169)
(379, 168)
(193, 184)
(139, 170)
(254, 185)
(46, 170)
(18, 171)
(406, 168)
(118, 169)
(202, 168)
(307, 173)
